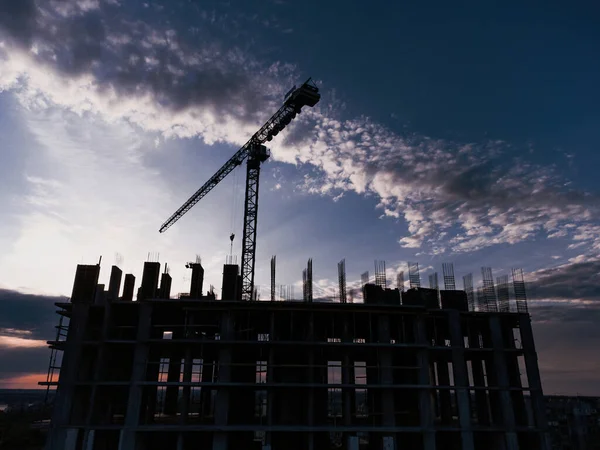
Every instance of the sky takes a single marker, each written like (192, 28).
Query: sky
(445, 133)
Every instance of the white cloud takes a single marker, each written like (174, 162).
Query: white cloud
(87, 189)
(459, 197)
(18, 342)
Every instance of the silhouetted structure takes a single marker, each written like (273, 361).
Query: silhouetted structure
(573, 422)
(402, 370)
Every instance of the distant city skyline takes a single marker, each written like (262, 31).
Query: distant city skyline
(464, 134)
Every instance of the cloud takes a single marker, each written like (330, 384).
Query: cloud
(578, 281)
(453, 196)
(72, 54)
(26, 322)
(17, 342)
(567, 339)
(27, 316)
(472, 195)
(87, 184)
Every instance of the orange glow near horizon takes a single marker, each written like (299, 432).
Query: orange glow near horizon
(29, 381)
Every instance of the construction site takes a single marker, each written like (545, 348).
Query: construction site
(427, 368)
(375, 367)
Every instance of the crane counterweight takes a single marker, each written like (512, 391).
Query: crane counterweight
(255, 153)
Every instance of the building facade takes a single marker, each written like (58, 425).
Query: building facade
(402, 370)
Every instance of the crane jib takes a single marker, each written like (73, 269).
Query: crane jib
(233, 162)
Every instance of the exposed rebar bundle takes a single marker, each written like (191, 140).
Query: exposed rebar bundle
(433, 281)
(364, 278)
(309, 281)
(468, 287)
(380, 279)
(342, 280)
(503, 294)
(304, 289)
(413, 275)
(400, 281)
(489, 291)
(448, 271)
(481, 303)
(519, 287)
(273, 278)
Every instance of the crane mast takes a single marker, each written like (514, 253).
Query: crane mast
(255, 153)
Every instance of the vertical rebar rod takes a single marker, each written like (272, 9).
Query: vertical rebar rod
(433, 281)
(520, 293)
(503, 293)
(489, 291)
(309, 282)
(342, 280)
(380, 278)
(448, 271)
(468, 287)
(400, 281)
(273, 278)
(413, 275)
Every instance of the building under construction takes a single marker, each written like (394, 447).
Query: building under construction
(425, 368)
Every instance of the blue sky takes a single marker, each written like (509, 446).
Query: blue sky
(445, 133)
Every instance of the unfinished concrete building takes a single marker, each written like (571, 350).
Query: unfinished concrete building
(402, 370)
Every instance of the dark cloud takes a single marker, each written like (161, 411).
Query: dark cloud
(134, 59)
(578, 281)
(26, 316)
(18, 18)
(566, 331)
(299, 132)
(23, 361)
(35, 313)
(567, 339)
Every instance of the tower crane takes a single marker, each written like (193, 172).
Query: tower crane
(255, 153)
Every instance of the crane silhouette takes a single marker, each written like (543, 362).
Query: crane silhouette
(255, 153)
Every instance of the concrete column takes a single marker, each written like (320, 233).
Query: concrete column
(59, 436)
(220, 438)
(461, 379)
(311, 380)
(445, 398)
(386, 377)
(187, 378)
(347, 377)
(99, 372)
(501, 372)
(428, 440)
(425, 397)
(89, 440)
(533, 377)
(173, 375)
(352, 443)
(70, 441)
(481, 400)
(127, 440)
(270, 379)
